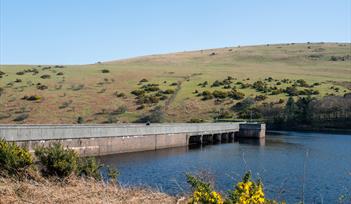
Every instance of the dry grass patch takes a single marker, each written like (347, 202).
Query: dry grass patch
(76, 190)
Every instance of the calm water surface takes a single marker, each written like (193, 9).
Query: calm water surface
(281, 161)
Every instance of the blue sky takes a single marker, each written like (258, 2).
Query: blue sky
(87, 31)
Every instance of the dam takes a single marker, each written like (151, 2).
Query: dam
(96, 140)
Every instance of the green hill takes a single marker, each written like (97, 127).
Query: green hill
(183, 85)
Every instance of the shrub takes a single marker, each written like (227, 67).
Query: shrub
(45, 76)
(121, 95)
(77, 87)
(219, 94)
(80, 120)
(236, 95)
(20, 73)
(148, 99)
(105, 71)
(89, 167)
(18, 80)
(111, 119)
(206, 95)
(260, 98)
(259, 86)
(150, 88)
(112, 173)
(291, 91)
(33, 98)
(41, 86)
(302, 83)
(243, 105)
(13, 159)
(21, 117)
(203, 191)
(59, 74)
(143, 80)
(56, 160)
(248, 191)
(174, 84)
(195, 120)
(216, 83)
(168, 91)
(138, 92)
(156, 116)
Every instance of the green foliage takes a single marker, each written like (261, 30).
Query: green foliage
(143, 80)
(80, 120)
(56, 160)
(206, 95)
(216, 83)
(88, 166)
(112, 173)
(259, 86)
(291, 91)
(13, 159)
(32, 98)
(219, 94)
(195, 120)
(150, 87)
(156, 116)
(197, 183)
(45, 76)
(244, 104)
(236, 95)
(105, 71)
(168, 91)
(260, 98)
(138, 92)
(21, 117)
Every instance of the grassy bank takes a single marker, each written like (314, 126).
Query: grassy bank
(76, 190)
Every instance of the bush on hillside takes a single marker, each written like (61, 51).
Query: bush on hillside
(13, 159)
(45, 76)
(57, 161)
(21, 117)
(80, 120)
(236, 95)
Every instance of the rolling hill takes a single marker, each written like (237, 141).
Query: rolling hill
(182, 85)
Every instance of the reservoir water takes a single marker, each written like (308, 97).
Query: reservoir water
(293, 166)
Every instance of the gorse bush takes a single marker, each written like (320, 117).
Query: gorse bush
(13, 159)
(246, 191)
(56, 160)
(89, 167)
(203, 191)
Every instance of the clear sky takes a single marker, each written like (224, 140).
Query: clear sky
(87, 31)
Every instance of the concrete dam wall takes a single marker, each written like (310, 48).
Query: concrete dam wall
(92, 140)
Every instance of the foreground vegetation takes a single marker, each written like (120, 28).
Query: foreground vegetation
(60, 176)
(204, 85)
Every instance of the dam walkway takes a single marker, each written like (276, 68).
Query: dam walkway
(93, 140)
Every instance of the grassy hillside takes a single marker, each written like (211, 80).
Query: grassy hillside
(56, 94)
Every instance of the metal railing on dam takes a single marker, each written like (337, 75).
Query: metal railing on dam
(118, 138)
